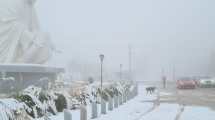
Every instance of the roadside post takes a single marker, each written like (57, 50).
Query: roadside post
(94, 110)
(137, 88)
(103, 107)
(124, 97)
(110, 104)
(128, 96)
(120, 100)
(83, 114)
(67, 115)
(116, 101)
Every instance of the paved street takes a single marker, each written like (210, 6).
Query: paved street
(204, 97)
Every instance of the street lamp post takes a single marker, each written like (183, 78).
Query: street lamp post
(103, 103)
(101, 56)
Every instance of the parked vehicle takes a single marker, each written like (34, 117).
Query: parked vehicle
(206, 83)
(199, 78)
(186, 83)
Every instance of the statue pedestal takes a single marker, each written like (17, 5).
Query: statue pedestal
(15, 77)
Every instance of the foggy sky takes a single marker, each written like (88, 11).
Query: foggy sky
(163, 33)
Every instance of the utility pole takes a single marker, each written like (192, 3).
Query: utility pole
(130, 62)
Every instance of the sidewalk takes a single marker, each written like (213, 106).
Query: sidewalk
(142, 107)
(130, 110)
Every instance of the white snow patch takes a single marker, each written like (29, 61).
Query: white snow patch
(198, 113)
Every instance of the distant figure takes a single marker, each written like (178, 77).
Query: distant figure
(164, 81)
(150, 89)
(21, 40)
(90, 80)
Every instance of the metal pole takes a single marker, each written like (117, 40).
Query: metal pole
(130, 62)
(101, 74)
(101, 58)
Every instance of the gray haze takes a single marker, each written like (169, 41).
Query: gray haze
(163, 33)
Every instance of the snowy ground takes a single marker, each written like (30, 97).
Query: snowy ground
(147, 107)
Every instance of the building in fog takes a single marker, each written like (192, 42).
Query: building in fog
(17, 77)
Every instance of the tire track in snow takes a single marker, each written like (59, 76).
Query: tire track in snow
(156, 104)
(180, 112)
(181, 107)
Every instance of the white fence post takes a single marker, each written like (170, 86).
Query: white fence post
(120, 100)
(124, 97)
(116, 102)
(128, 96)
(83, 114)
(136, 90)
(94, 110)
(103, 107)
(133, 93)
(110, 104)
(67, 115)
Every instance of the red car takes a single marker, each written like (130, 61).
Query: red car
(186, 83)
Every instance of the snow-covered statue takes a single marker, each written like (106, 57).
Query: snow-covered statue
(21, 40)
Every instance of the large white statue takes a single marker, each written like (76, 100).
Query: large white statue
(21, 40)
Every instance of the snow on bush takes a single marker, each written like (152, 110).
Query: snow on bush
(6, 113)
(33, 102)
(38, 102)
(48, 99)
(11, 109)
(109, 91)
(60, 102)
(103, 94)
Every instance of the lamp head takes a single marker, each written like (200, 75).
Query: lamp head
(101, 56)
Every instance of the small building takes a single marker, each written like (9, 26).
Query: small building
(15, 77)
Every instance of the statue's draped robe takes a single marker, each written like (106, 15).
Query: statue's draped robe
(21, 41)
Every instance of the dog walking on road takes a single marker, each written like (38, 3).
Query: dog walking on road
(150, 90)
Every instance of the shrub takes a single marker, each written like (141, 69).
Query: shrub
(32, 105)
(38, 102)
(60, 102)
(103, 94)
(110, 92)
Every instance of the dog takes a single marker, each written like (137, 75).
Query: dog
(150, 90)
